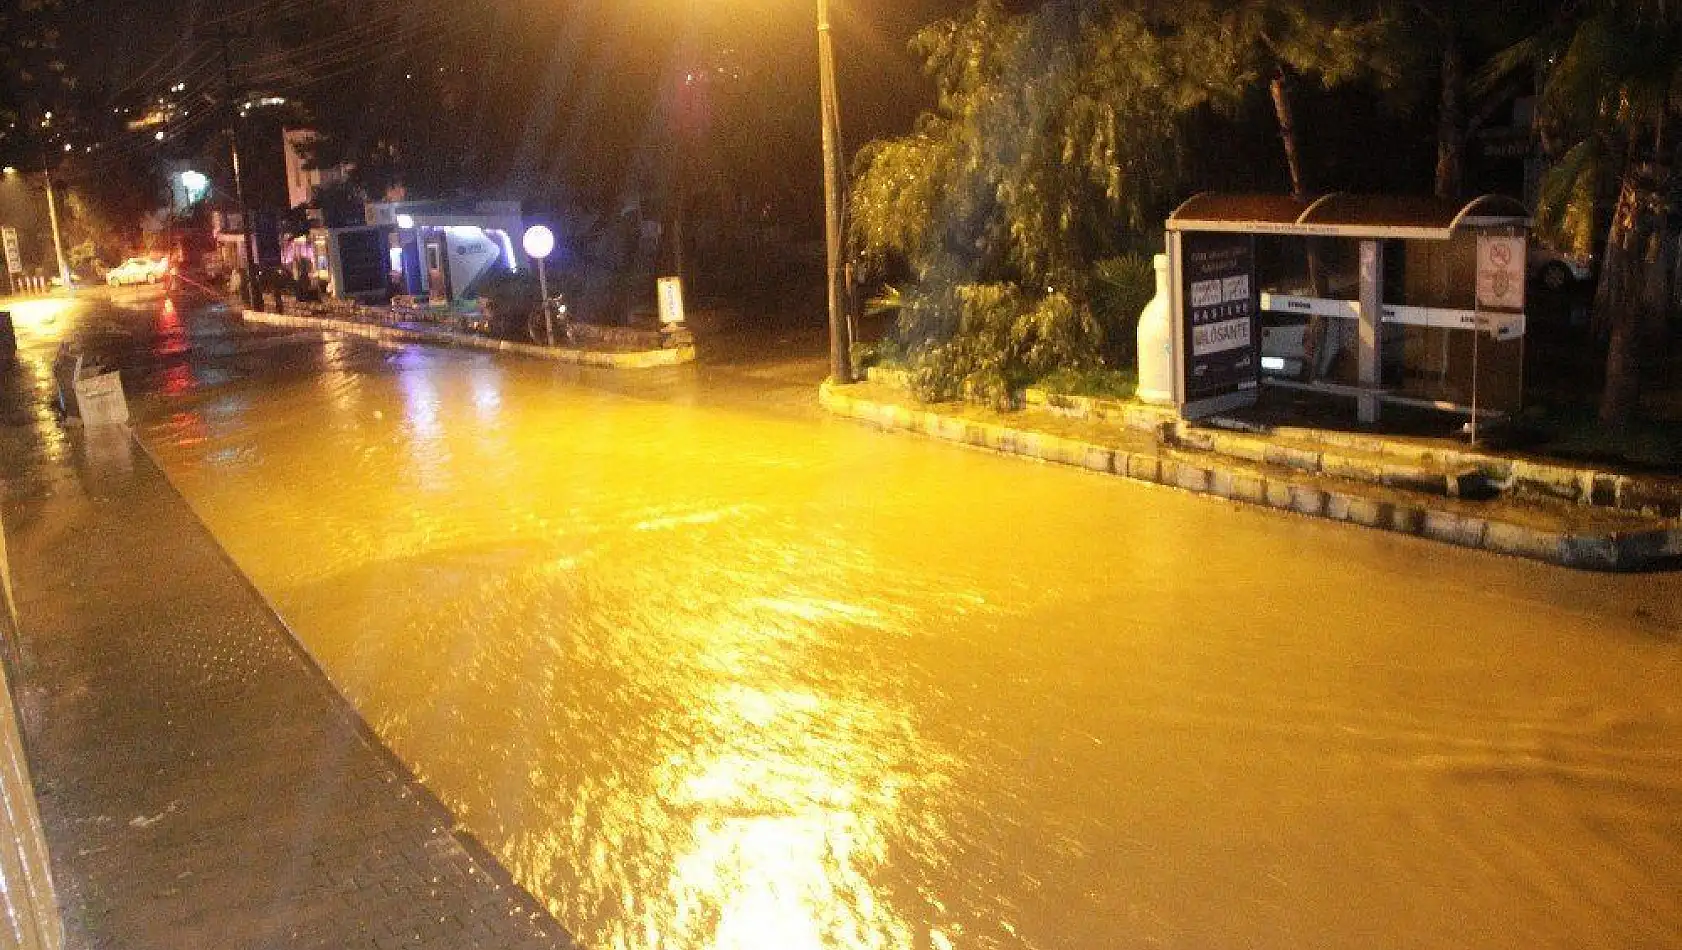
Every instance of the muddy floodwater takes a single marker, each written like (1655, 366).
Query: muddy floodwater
(707, 669)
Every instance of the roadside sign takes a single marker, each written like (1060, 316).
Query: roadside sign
(671, 299)
(1218, 322)
(14, 260)
(1500, 272)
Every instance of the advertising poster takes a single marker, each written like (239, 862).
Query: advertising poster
(1222, 316)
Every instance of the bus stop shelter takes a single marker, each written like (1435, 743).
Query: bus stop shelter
(1422, 298)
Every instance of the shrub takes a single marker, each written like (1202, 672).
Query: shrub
(885, 353)
(509, 300)
(1121, 286)
(1103, 383)
(983, 341)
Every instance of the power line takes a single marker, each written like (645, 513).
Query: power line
(368, 28)
(379, 59)
(348, 49)
(271, 7)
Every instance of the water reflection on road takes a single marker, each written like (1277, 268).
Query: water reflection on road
(707, 670)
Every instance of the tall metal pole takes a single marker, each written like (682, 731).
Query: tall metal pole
(543, 301)
(840, 344)
(58, 239)
(248, 229)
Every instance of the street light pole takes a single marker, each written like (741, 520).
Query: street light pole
(840, 343)
(58, 239)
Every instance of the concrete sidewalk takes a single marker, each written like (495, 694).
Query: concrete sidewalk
(200, 781)
(604, 358)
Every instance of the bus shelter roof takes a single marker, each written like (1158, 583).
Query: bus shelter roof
(1347, 215)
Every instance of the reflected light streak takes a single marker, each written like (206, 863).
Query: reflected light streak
(37, 313)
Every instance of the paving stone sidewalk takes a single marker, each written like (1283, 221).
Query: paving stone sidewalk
(200, 782)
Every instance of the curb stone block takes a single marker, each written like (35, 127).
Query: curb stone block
(1279, 494)
(1249, 488)
(1293, 458)
(1644, 547)
(1588, 551)
(1455, 529)
(1672, 546)
(1100, 459)
(1367, 512)
(1521, 541)
(1192, 477)
(1201, 439)
(1547, 480)
(1145, 468)
(1220, 483)
(1308, 501)
(1407, 519)
(1342, 466)
(1252, 450)
(1070, 451)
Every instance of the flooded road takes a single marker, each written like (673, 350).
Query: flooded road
(707, 669)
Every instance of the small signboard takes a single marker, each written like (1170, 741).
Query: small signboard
(1500, 273)
(670, 291)
(1218, 322)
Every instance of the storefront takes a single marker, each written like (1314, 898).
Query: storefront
(442, 251)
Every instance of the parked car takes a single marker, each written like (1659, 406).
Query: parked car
(1557, 271)
(138, 270)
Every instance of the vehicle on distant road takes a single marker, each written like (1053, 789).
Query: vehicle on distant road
(138, 270)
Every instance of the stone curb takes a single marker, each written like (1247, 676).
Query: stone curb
(641, 359)
(1603, 552)
(1460, 469)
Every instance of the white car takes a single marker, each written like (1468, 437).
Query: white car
(1557, 271)
(137, 270)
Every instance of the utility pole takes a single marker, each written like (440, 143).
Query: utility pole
(248, 224)
(58, 239)
(52, 207)
(840, 342)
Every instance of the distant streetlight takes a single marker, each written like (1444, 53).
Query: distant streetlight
(194, 185)
(539, 243)
(10, 171)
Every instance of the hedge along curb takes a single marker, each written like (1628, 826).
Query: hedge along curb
(639, 359)
(1601, 552)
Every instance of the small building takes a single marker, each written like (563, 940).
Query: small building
(443, 250)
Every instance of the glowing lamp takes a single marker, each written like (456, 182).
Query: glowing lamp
(538, 241)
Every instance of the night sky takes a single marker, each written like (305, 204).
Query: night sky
(881, 82)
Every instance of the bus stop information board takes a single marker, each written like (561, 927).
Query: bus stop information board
(1221, 344)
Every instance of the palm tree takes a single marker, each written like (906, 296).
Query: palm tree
(1610, 90)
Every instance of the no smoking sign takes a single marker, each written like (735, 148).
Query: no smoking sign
(1500, 273)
